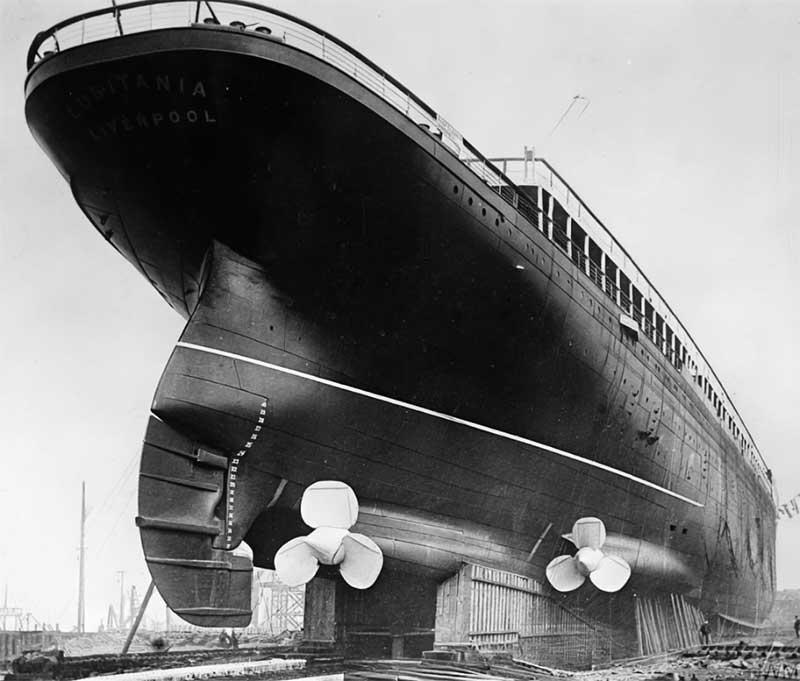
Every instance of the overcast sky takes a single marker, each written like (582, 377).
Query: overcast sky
(688, 151)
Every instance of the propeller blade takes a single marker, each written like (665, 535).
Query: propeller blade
(243, 550)
(588, 532)
(611, 574)
(329, 503)
(362, 562)
(295, 562)
(563, 573)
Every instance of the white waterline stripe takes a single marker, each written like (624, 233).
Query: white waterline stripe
(440, 415)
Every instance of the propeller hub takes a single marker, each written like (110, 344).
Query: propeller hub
(326, 542)
(588, 559)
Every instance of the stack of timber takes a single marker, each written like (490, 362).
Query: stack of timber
(666, 623)
(410, 670)
(211, 671)
(93, 665)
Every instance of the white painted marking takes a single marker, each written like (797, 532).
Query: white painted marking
(278, 493)
(440, 415)
(539, 541)
(232, 474)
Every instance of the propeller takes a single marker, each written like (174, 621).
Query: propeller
(331, 508)
(607, 573)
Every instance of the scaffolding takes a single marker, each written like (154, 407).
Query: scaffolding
(277, 608)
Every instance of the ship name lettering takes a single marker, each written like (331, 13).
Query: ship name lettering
(146, 121)
(122, 83)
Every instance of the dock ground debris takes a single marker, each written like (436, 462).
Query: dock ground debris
(744, 659)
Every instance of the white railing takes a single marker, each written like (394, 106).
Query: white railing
(139, 17)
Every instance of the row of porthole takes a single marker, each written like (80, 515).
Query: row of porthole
(497, 221)
(591, 301)
(558, 274)
(610, 319)
(658, 369)
(679, 394)
(470, 201)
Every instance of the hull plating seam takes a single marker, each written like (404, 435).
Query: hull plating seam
(446, 417)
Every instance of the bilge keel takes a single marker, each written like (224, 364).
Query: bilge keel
(370, 300)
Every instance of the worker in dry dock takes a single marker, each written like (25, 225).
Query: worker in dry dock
(797, 626)
(705, 638)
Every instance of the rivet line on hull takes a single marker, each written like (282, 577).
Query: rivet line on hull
(440, 415)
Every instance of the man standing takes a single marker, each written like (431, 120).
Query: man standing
(704, 633)
(797, 626)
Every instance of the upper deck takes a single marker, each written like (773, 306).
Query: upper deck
(553, 207)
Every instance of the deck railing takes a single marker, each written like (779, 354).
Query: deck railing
(271, 24)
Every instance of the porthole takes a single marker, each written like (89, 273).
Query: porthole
(455, 189)
(502, 218)
(469, 200)
(496, 222)
(483, 212)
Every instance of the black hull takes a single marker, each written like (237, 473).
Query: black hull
(408, 330)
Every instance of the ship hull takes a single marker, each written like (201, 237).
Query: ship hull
(402, 327)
